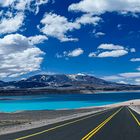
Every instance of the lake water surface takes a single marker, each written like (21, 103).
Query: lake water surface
(63, 101)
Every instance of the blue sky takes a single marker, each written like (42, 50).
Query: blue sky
(69, 37)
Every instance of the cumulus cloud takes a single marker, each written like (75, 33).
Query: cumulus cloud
(14, 12)
(124, 78)
(112, 77)
(130, 75)
(97, 7)
(109, 50)
(88, 19)
(38, 3)
(18, 56)
(37, 39)
(110, 47)
(133, 50)
(57, 26)
(22, 5)
(135, 60)
(75, 52)
(5, 3)
(99, 34)
(115, 53)
(11, 24)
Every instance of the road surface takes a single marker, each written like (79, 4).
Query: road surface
(115, 124)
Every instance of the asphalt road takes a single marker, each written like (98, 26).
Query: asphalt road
(116, 124)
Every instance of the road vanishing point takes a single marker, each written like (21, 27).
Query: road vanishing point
(114, 124)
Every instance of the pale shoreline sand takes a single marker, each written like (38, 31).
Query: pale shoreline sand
(127, 91)
(32, 119)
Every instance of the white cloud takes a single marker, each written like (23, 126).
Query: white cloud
(114, 53)
(99, 34)
(92, 54)
(38, 3)
(125, 78)
(135, 60)
(59, 55)
(112, 77)
(37, 39)
(88, 19)
(57, 26)
(14, 13)
(110, 47)
(119, 26)
(101, 6)
(12, 24)
(1, 13)
(137, 80)
(130, 75)
(133, 50)
(18, 56)
(22, 5)
(122, 82)
(5, 3)
(75, 52)
(111, 51)
(138, 68)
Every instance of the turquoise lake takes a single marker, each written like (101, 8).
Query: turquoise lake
(63, 101)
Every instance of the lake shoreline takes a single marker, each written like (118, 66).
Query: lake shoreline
(66, 93)
(63, 101)
(25, 92)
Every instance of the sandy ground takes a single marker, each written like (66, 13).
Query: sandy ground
(133, 104)
(127, 103)
(13, 122)
(136, 108)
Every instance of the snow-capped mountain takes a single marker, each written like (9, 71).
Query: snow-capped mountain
(63, 81)
(58, 80)
(73, 83)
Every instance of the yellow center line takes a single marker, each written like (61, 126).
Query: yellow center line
(135, 118)
(95, 130)
(59, 126)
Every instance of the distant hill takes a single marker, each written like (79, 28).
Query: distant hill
(63, 83)
(75, 80)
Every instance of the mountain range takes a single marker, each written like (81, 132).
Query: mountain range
(63, 83)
